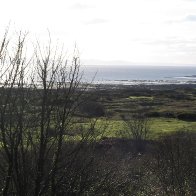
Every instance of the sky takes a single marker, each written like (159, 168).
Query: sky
(110, 31)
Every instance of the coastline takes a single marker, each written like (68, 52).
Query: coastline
(142, 84)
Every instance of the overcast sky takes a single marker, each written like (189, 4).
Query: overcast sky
(111, 31)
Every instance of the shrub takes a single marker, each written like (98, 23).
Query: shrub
(92, 109)
(187, 116)
(175, 164)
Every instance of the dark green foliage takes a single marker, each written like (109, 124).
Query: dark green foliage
(92, 109)
(187, 116)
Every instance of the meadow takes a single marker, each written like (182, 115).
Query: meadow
(168, 108)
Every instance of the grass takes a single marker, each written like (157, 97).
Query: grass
(162, 104)
(158, 127)
(161, 126)
(141, 97)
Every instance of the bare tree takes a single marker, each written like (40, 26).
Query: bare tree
(39, 97)
(32, 103)
(137, 127)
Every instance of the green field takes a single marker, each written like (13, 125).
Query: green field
(158, 127)
(168, 108)
(141, 97)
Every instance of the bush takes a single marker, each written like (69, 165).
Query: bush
(187, 116)
(175, 164)
(153, 114)
(168, 115)
(92, 109)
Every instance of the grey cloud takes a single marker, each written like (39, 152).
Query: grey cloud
(191, 18)
(173, 21)
(175, 45)
(80, 6)
(168, 41)
(96, 21)
(188, 18)
(171, 42)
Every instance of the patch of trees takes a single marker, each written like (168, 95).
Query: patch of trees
(162, 114)
(187, 116)
(92, 109)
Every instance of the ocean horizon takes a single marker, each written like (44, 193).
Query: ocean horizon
(124, 74)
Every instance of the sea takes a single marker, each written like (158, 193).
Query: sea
(139, 74)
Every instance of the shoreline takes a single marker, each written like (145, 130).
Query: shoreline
(142, 84)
